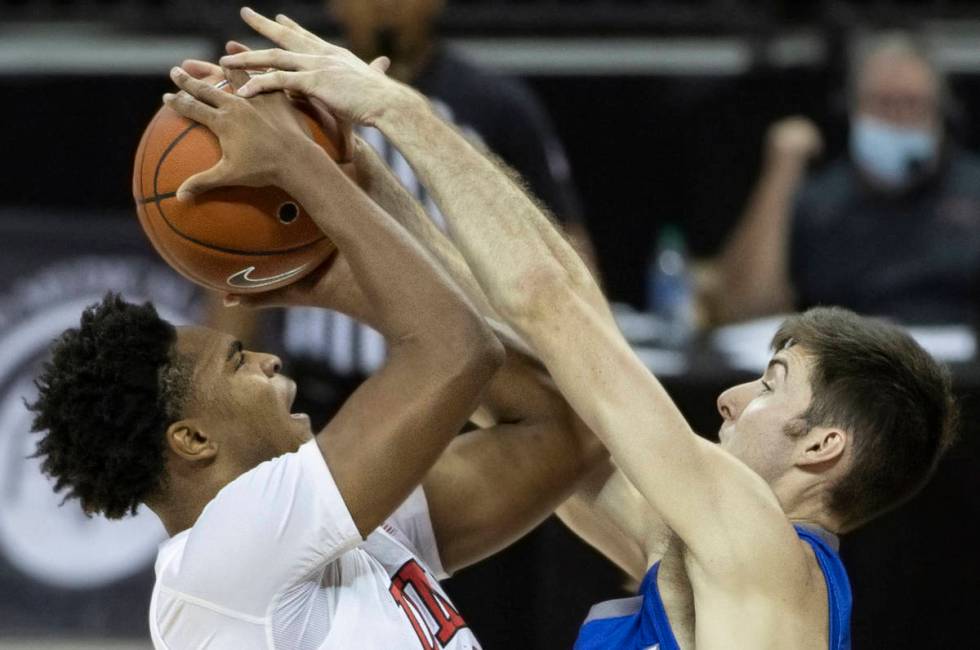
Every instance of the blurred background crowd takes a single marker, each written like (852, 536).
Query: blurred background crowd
(718, 162)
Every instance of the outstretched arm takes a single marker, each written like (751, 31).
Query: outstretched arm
(441, 353)
(728, 518)
(495, 484)
(377, 180)
(722, 511)
(604, 509)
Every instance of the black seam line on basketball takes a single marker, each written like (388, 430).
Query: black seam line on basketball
(166, 152)
(233, 251)
(158, 198)
(145, 142)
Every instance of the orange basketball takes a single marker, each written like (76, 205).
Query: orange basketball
(233, 239)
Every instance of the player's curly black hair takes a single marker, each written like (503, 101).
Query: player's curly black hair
(107, 395)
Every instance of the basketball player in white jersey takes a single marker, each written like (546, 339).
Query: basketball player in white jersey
(279, 538)
(849, 420)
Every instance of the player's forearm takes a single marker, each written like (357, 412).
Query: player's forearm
(494, 224)
(754, 264)
(413, 299)
(494, 485)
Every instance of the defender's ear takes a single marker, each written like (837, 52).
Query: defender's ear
(822, 445)
(189, 441)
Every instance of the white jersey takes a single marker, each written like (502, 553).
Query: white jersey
(276, 562)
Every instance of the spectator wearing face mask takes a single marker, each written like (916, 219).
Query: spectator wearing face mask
(892, 229)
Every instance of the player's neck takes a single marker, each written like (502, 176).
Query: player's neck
(174, 517)
(180, 508)
(813, 512)
(803, 497)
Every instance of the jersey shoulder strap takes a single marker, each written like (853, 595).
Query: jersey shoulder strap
(825, 548)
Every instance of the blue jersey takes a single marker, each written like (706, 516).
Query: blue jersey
(640, 623)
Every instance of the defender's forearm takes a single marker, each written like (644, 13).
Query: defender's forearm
(384, 189)
(500, 231)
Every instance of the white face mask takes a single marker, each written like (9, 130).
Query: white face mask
(893, 155)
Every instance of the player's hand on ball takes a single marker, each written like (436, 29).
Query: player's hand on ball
(304, 63)
(258, 137)
(339, 131)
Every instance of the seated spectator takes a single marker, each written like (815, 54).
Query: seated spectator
(893, 229)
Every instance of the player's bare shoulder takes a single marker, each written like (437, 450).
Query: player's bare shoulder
(779, 601)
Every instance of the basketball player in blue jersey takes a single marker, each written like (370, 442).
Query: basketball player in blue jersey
(735, 542)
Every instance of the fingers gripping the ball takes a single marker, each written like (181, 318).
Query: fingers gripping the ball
(197, 102)
(191, 108)
(201, 69)
(201, 90)
(217, 176)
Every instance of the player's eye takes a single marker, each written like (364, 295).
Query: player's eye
(241, 361)
(766, 386)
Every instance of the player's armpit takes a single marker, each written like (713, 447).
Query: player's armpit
(608, 513)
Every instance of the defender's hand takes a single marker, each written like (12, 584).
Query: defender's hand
(259, 138)
(338, 130)
(205, 69)
(304, 63)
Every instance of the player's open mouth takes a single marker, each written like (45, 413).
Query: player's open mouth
(292, 398)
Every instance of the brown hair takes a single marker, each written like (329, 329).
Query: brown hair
(874, 381)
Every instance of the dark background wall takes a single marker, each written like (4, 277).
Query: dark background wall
(645, 150)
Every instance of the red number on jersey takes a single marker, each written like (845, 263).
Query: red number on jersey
(421, 596)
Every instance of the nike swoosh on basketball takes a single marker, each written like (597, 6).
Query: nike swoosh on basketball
(243, 279)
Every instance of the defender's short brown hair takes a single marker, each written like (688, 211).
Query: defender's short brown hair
(871, 379)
